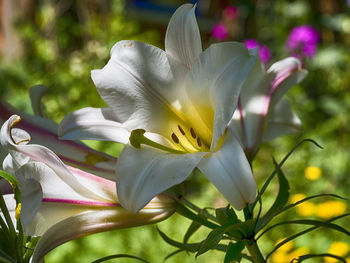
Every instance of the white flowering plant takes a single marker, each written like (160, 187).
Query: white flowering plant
(178, 111)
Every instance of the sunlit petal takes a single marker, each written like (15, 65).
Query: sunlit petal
(214, 86)
(229, 170)
(93, 124)
(144, 173)
(182, 39)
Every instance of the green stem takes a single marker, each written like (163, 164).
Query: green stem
(255, 252)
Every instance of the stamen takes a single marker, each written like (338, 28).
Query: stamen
(181, 130)
(194, 135)
(199, 142)
(175, 139)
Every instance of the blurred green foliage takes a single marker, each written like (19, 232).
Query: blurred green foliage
(67, 39)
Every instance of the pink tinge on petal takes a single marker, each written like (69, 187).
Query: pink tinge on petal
(219, 32)
(97, 179)
(79, 202)
(231, 12)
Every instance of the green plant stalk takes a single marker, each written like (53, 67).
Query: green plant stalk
(255, 252)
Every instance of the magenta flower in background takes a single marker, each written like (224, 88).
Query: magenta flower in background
(303, 39)
(264, 51)
(219, 32)
(231, 12)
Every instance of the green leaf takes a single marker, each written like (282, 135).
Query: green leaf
(305, 257)
(173, 254)
(242, 230)
(226, 216)
(187, 247)
(279, 166)
(212, 240)
(191, 230)
(234, 252)
(118, 256)
(280, 202)
(184, 211)
(288, 239)
(308, 198)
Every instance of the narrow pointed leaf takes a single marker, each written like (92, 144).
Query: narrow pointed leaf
(234, 252)
(184, 211)
(279, 166)
(193, 247)
(172, 254)
(226, 216)
(308, 198)
(118, 256)
(191, 230)
(324, 255)
(288, 239)
(280, 202)
(212, 240)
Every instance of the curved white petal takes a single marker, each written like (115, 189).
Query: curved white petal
(137, 84)
(229, 170)
(142, 174)
(93, 124)
(284, 74)
(215, 82)
(182, 39)
(90, 222)
(43, 131)
(44, 155)
(282, 120)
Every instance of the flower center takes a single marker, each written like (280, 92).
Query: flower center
(188, 140)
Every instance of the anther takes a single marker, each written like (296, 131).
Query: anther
(174, 137)
(181, 130)
(199, 142)
(194, 135)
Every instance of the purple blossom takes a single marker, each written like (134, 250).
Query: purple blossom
(264, 51)
(303, 39)
(231, 12)
(219, 32)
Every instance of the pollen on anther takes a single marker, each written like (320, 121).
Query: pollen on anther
(194, 135)
(174, 137)
(199, 142)
(181, 130)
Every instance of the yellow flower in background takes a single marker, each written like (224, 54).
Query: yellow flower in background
(281, 255)
(296, 197)
(306, 209)
(298, 252)
(313, 173)
(330, 209)
(338, 248)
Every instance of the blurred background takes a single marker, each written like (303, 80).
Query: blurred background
(58, 42)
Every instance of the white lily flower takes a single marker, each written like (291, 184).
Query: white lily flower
(174, 105)
(44, 131)
(262, 113)
(61, 203)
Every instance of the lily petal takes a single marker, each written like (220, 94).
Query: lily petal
(229, 170)
(143, 173)
(93, 124)
(215, 82)
(137, 84)
(284, 75)
(182, 39)
(282, 120)
(90, 222)
(44, 131)
(40, 154)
